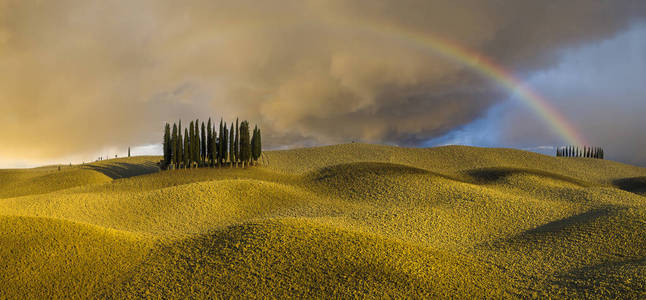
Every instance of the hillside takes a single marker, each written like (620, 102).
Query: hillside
(344, 220)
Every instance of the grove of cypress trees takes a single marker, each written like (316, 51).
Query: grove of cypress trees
(200, 145)
(233, 155)
(245, 145)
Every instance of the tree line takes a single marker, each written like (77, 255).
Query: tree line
(576, 151)
(203, 146)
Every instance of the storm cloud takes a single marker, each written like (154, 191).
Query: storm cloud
(79, 77)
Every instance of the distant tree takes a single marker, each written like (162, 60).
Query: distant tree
(128, 151)
(236, 147)
(245, 143)
(203, 143)
(233, 154)
(166, 145)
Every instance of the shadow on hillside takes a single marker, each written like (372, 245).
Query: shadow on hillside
(562, 224)
(355, 170)
(635, 185)
(124, 170)
(555, 229)
(491, 175)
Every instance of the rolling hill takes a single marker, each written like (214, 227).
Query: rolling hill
(352, 220)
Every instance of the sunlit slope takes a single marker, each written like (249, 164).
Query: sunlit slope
(346, 220)
(21, 182)
(45, 258)
(297, 257)
(449, 160)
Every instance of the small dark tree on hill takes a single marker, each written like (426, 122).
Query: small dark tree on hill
(128, 151)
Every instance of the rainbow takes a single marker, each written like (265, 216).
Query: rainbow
(481, 64)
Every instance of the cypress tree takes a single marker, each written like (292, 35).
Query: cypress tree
(253, 145)
(180, 146)
(225, 143)
(237, 143)
(196, 150)
(245, 145)
(166, 145)
(259, 144)
(214, 148)
(209, 143)
(186, 147)
(233, 155)
(191, 143)
(220, 142)
(203, 144)
(174, 144)
(256, 148)
(128, 151)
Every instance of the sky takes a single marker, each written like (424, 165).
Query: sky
(83, 79)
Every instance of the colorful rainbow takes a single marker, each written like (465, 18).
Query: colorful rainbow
(477, 62)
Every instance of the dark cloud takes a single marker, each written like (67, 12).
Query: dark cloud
(82, 76)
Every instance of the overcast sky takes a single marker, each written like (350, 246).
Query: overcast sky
(81, 79)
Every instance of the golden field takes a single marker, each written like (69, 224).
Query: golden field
(351, 220)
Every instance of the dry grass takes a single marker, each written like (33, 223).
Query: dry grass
(346, 220)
